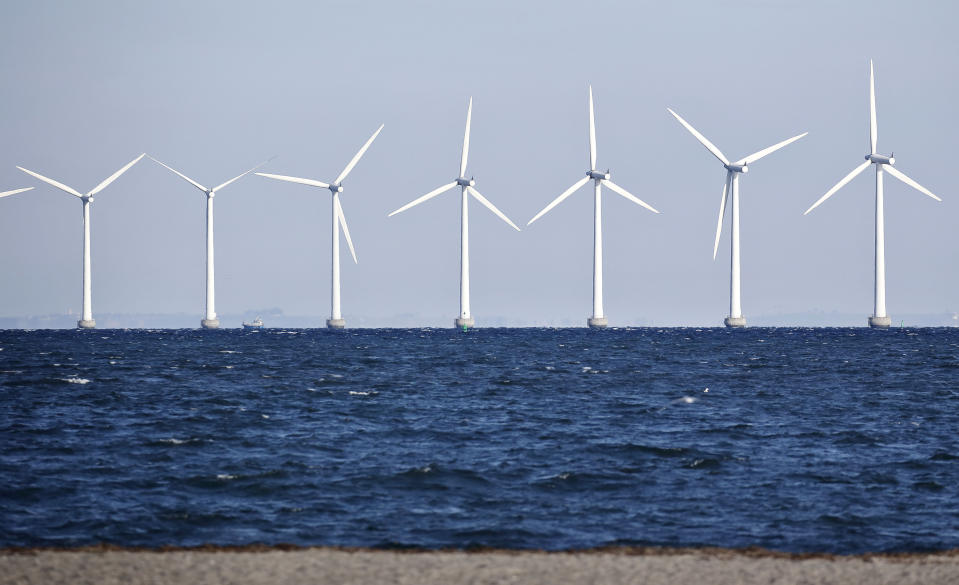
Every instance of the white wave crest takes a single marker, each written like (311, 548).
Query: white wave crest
(75, 380)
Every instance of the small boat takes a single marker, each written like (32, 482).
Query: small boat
(254, 324)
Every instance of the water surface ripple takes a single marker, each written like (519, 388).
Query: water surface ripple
(840, 440)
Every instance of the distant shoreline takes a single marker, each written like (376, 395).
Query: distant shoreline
(488, 327)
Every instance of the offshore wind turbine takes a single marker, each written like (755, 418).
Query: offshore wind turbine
(336, 320)
(598, 320)
(879, 319)
(86, 318)
(733, 170)
(465, 319)
(209, 321)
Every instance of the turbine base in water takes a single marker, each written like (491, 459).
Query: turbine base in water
(880, 322)
(336, 323)
(210, 323)
(86, 324)
(735, 322)
(597, 322)
(461, 323)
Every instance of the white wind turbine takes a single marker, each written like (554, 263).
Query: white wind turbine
(336, 320)
(465, 318)
(209, 321)
(598, 320)
(86, 318)
(733, 170)
(879, 319)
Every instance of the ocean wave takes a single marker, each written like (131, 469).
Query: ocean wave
(170, 448)
(175, 441)
(75, 380)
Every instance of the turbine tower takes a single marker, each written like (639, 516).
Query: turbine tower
(336, 320)
(209, 321)
(465, 319)
(733, 170)
(86, 321)
(879, 319)
(598, 320)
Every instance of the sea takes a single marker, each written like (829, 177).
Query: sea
(791, 439)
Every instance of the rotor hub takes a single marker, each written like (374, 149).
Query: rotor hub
(880, 159)
(464, 182)
(737, 168)
(336, 188)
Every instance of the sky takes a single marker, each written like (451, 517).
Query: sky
(213, 88)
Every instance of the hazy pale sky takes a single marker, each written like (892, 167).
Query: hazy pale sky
(212, 88)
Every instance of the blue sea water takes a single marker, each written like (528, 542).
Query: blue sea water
(839, 440)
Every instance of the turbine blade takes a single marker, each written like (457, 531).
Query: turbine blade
(14, 192)
(178, 173)
(309, 182)
(115, 175)
(758, 155)
(220, 186)
(873, 128)
(559, 199)
(839, 185)
(702, 139)
(491, 207)
(56, 184)
(627, 194)
(902, 177)
(466, 139)
(342, 219)
(356, 158)
(592, 133)
(430, 195)
(722, 213)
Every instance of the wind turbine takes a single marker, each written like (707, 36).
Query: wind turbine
(733, 170)
(465, 319)
(879, 319)
(598, 320)
(336, 320)
(210, 321)
(86, 319)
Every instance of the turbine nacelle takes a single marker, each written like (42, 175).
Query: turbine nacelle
(737, 168)
(87, 199)
(880, 159)
(464, 182)
(336, 189)
(596, 175)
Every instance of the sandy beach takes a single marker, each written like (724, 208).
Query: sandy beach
(273, 566)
